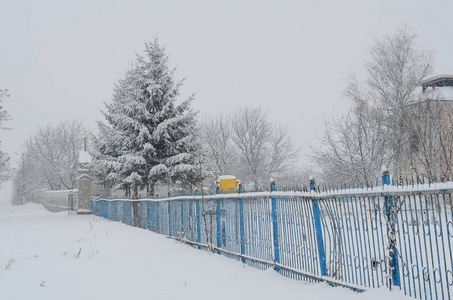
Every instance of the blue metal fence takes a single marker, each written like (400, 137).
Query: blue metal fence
(395, 237)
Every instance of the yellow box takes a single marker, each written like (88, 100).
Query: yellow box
(227, 184)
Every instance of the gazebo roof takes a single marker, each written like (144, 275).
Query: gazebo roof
(437, 81)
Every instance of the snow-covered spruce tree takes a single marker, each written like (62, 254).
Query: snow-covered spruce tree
(148, 138)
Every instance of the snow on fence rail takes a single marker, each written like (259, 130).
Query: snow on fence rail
(362, 238)
(56, 200)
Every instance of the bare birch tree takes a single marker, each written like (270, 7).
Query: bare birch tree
(265, 148)
(353, 149)
(375, 130)
(252, 132)
(51, 156)
(282, 153)
(216, 134)
(397, 66)
(248, 145)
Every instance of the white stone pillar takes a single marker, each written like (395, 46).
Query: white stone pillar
(84, 184)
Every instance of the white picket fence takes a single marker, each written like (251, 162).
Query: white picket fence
(55, 201)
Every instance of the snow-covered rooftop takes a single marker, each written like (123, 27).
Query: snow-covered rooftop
(223, 177)
(437, 81)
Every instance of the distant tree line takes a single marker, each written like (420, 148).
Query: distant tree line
(49, 160)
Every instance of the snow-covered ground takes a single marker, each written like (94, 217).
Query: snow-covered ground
(56, 256)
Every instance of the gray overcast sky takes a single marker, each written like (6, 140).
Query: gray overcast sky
(60, 59)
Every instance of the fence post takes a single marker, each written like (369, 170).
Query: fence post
(136, 212)
(218, 220)
(390, 215)
(151, 225)
(170, 232)
(197, 211)
(241, 226)
(93, 207)
(275, 226)
(157, 212)
(217, 189)
(106, 210)
(318, 230)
